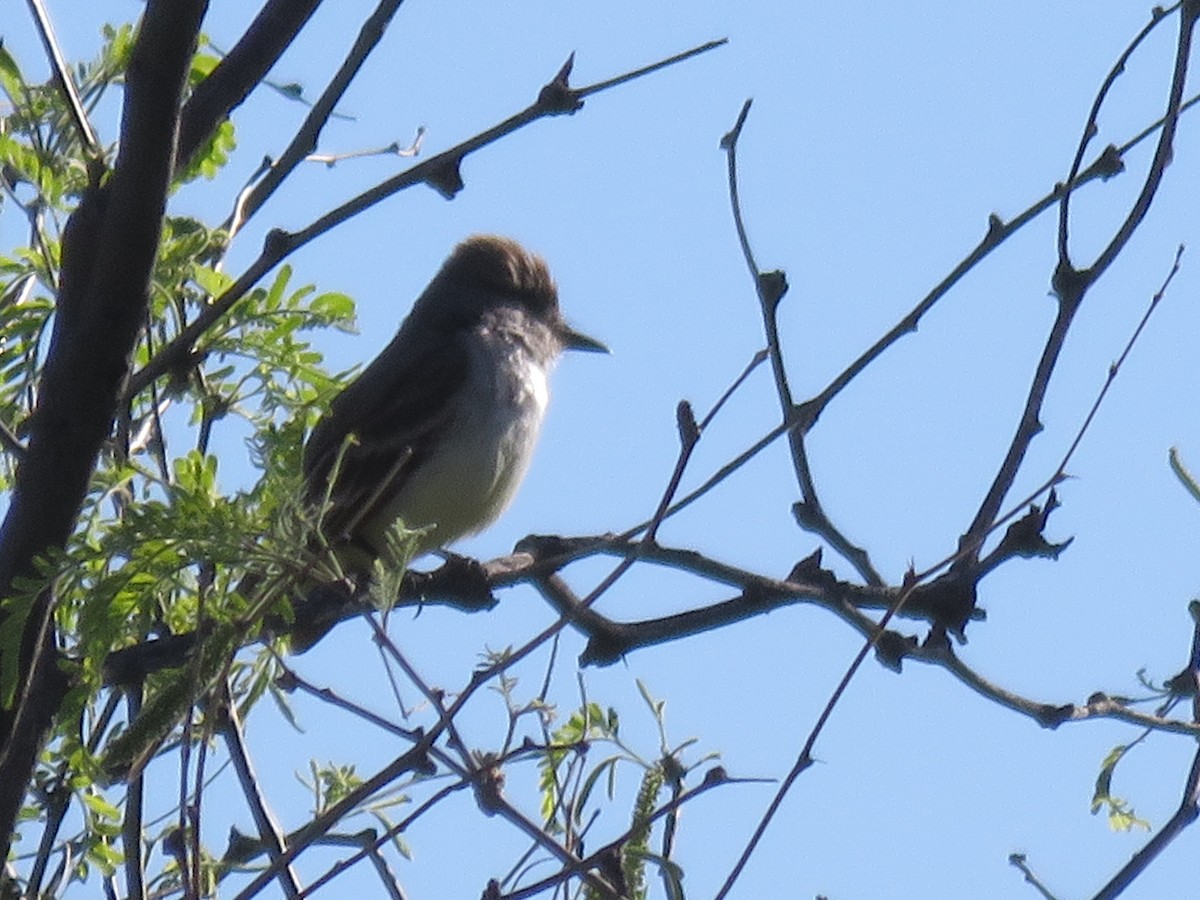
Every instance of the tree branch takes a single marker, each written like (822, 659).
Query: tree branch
(1071, 284)
(440, 172)
(305, 140)
(109, 250)
(240, 72)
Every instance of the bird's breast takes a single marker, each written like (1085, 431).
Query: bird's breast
(470, 476)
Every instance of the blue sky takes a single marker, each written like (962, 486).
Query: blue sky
(881, 138)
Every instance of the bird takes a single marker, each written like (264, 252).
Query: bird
(439, 429)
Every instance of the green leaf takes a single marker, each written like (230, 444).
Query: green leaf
(211, 281)
(10, 76)
(212, 155)
(1121, 816)
(115, 56)
(106, 857)
(607, 766)
(12, 628)
(202, 66)
(274, 296)
(333, 308)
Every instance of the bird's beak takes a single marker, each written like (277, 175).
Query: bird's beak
(577, 340)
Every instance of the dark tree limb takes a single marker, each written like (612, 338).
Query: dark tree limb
(109, 251)
(242, 70)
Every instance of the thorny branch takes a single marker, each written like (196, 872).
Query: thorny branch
(1071, 284)
(771, 287)
(305, 139)
(440, 172)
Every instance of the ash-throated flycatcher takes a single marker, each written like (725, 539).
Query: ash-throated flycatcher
(444, 421)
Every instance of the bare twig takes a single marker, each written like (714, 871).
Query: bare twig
(393, 149)
(771, 287)
(269, 832)
(1091, 128)
(938, 648)
(647, 70)
(305, 139)
(131, 824)
(62, 74)
(1107, 165)
(1070, 285)
(1018, 860)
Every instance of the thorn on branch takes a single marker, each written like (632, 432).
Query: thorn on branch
(1069, 283)
(489, 785)
(937, 643)
(771, 287)
(277, 244)
(1049, 716)
(287, 682)
(1025, 537)
(557, 97)
(950, 600)
(603, 648)
(1109, 164)
(685, 420)
(446, 178)
(730, 139)
(806, 517)
(179, 370)
(809, 571)
(609, 866)
(715, 775)
(174, 844)
(892, 647)
(421, 764)
(241, 848)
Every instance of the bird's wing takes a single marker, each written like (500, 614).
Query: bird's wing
(396, 410)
